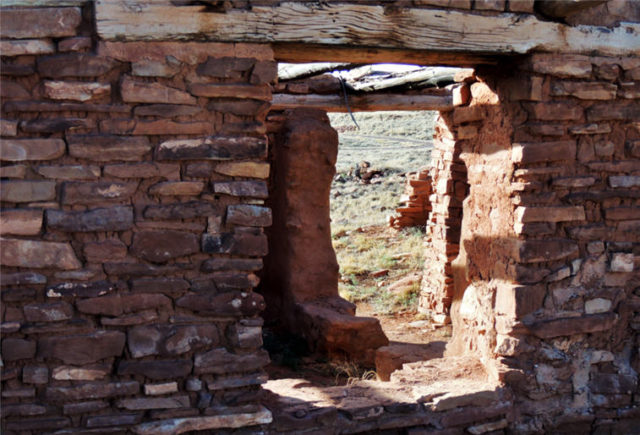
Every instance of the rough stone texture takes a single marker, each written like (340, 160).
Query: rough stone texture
(74, 65)
(532, 232)
(77, 91)
(161, 246)
(156, 369)
(101, 219)
(249, 215)
(39, 23)
(96, 192)
(82, 349)
(26, 47)
(141, 92)
(16, 150)
(108, 148)
(214, 148)
(36, 254)
(21, 222)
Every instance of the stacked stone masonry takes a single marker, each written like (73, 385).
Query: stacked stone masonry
(133, 182)
(134, 177)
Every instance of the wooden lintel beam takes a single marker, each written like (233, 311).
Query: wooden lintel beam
(364, 103)
(361, 26)
(304, 53)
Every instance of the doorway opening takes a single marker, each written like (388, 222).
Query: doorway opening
(364, 307)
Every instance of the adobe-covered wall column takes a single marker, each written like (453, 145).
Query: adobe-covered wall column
(300, 279)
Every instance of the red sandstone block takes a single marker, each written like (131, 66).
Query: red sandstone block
(72, 90)
(559, 327)
(12, 90)
(8, 127)
(214, 90)
(574, 66)
(73, 349)
(159, 127)
(21, 222)
(544, 152)
(39, 22)
(55, 125)
(79, 43)
(559, 111)
(74, 65)
(108, 147)
(142, 92)
(585, 90)
(613, 111)
(161, 246)
(167, 110)
(550, 214)
(27, 47)
(96, 192)
(92, 390)
(191, 188)
(535, 251)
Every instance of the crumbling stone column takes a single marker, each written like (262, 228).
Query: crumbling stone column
(300, 280)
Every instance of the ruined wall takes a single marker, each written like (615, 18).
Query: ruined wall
(133, 188)
(133, 181)
(546, 283)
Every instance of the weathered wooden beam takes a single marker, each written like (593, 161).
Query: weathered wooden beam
(293, 52)
(361, 25)
(433, 100)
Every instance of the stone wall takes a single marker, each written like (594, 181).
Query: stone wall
(134, 179)
(546, 283)
(133, 183)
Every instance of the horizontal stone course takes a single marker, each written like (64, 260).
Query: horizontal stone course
(21, 222)
(77, 91)
(82, 349)
(143, 92)
(161, 246)
(156, 369)
(23, 23)
(74, 172)
(254, 189)
(96, 192)
(74, 65)
(93, 390)
(237, 244)
(170, 340)
(101, 219)
(249, 215)
(26, 47)
(37, 254)
(544, 152)
(16, 150)
(214, 148)
(107, 147)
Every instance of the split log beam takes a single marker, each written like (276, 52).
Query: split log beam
(361, 25)
(437, 99)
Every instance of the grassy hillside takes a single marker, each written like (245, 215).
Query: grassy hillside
(394, 143)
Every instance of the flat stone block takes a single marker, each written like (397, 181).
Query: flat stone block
(17, 150)
(23, 23)
(101, 219)
(75, 172)
(230, 419)
(169, 188)
(249, 215)
(213, 148)
(27, 191)
(253, 189)
(161, 246)
(244, 169)
(142, 92)
(21, 222)
(36, 254)
(77, 91)
(107, 147)
(96, 192)
(82, 349)
(74, 65)
(27, 47)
